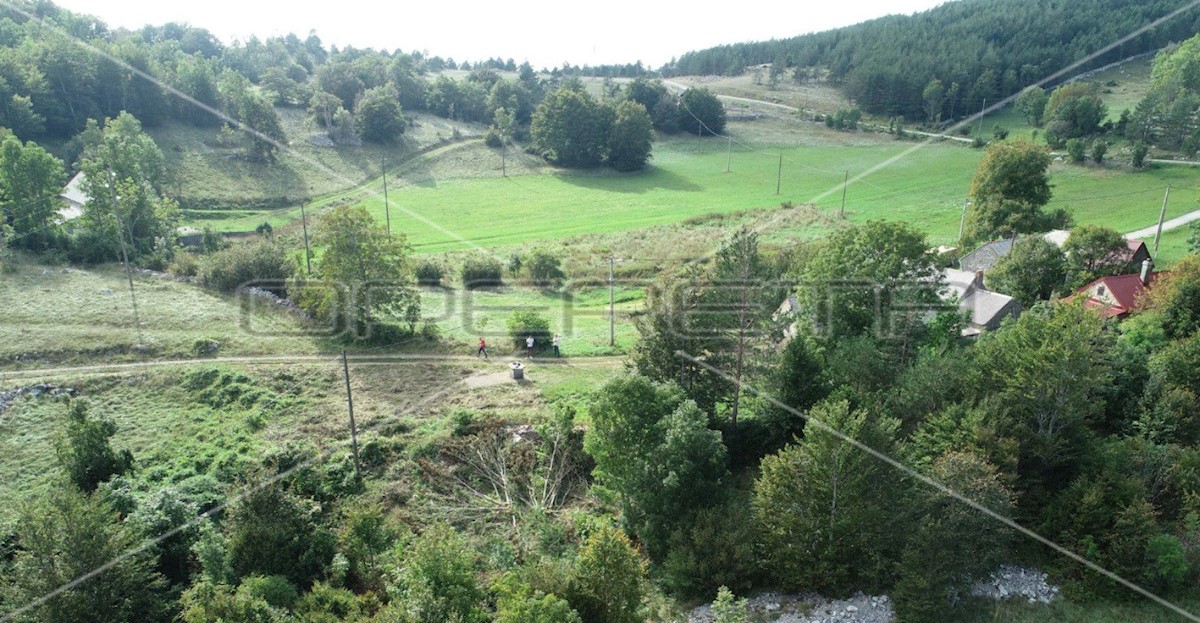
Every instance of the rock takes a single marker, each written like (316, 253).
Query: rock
(106, 291)
(35, 391)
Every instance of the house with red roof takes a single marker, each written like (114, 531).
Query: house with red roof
(1118, 295)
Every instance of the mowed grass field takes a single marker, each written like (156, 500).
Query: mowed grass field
(925, 185)
(52, 315)
(580, 316)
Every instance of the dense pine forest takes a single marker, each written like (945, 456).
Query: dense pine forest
(980, 50)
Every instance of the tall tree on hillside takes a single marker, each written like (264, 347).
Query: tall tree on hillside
(377, 116)
(629, 137)
(739, 301)
(363, 277)
(1074, 110)
(827, 509)
(30, 181)
(1010, 187)
(700, 112)
(570, 128)
(653, 447)
(934, 97)
(876, 278)
(674, 322)
(197, 79)
(255, 115)
(124, 171)
(1031, 103)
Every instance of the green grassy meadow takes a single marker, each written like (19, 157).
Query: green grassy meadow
(922, 185)
(580, 316)
(53, 315)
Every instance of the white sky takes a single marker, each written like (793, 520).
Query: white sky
(544, 32)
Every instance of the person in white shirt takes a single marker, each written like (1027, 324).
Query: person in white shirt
(557, 353)
(529, 347)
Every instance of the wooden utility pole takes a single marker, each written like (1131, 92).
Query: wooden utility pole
(353, 429)
(845, 183)
(981, 110)
(387, 212)
(962, 223)
(729, 155)
(612, 330)
(307, 252)
(779, 175)
(1161, 217)
(137, 320)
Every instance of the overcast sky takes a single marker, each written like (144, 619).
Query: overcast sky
(544, 32)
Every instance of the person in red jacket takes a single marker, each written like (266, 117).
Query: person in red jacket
(482, 349)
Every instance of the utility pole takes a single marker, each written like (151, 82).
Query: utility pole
(137, 320)
(779, 175)
(353, 429)
(981, 109)
(1161, 217)
(307, 253)
(962, 223)
(845, 183)
(121, 228)
(387, 213)
(729, 155)
(612, 330)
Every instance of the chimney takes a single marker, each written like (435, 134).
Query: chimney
(1147, 270)
(979, 280)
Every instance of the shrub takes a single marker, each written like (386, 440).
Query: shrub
(430, 273)
(211, 241)
(999, 132)
(1098, 150)
(978, 143)
(273, 589)
(1077, 150)
(545, 269)
(185, 264)
(481, 271)
(1138, 157)
(492, 138)
(262, 261)
(523, 324)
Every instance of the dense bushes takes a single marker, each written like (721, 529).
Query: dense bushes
(481, 271)
(525, 324)
(430, 273)
(262, 263)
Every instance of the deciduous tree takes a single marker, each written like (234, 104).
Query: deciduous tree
(700, 112)
(30, 181)
(653, 447)
(363, 277)
(377, 115)
(629, 137)
(69, 535)
(1032, 271)
(828, 509)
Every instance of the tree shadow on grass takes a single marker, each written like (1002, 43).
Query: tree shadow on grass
(648, 179)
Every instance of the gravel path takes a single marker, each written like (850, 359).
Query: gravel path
(1007, 582)
(1168, 225)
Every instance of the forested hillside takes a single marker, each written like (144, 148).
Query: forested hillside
(978, 49)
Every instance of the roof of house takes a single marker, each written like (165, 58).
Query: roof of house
(985, 306)
(73, 191)
(986, 256)
(1124, 289)
(1057, 237)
